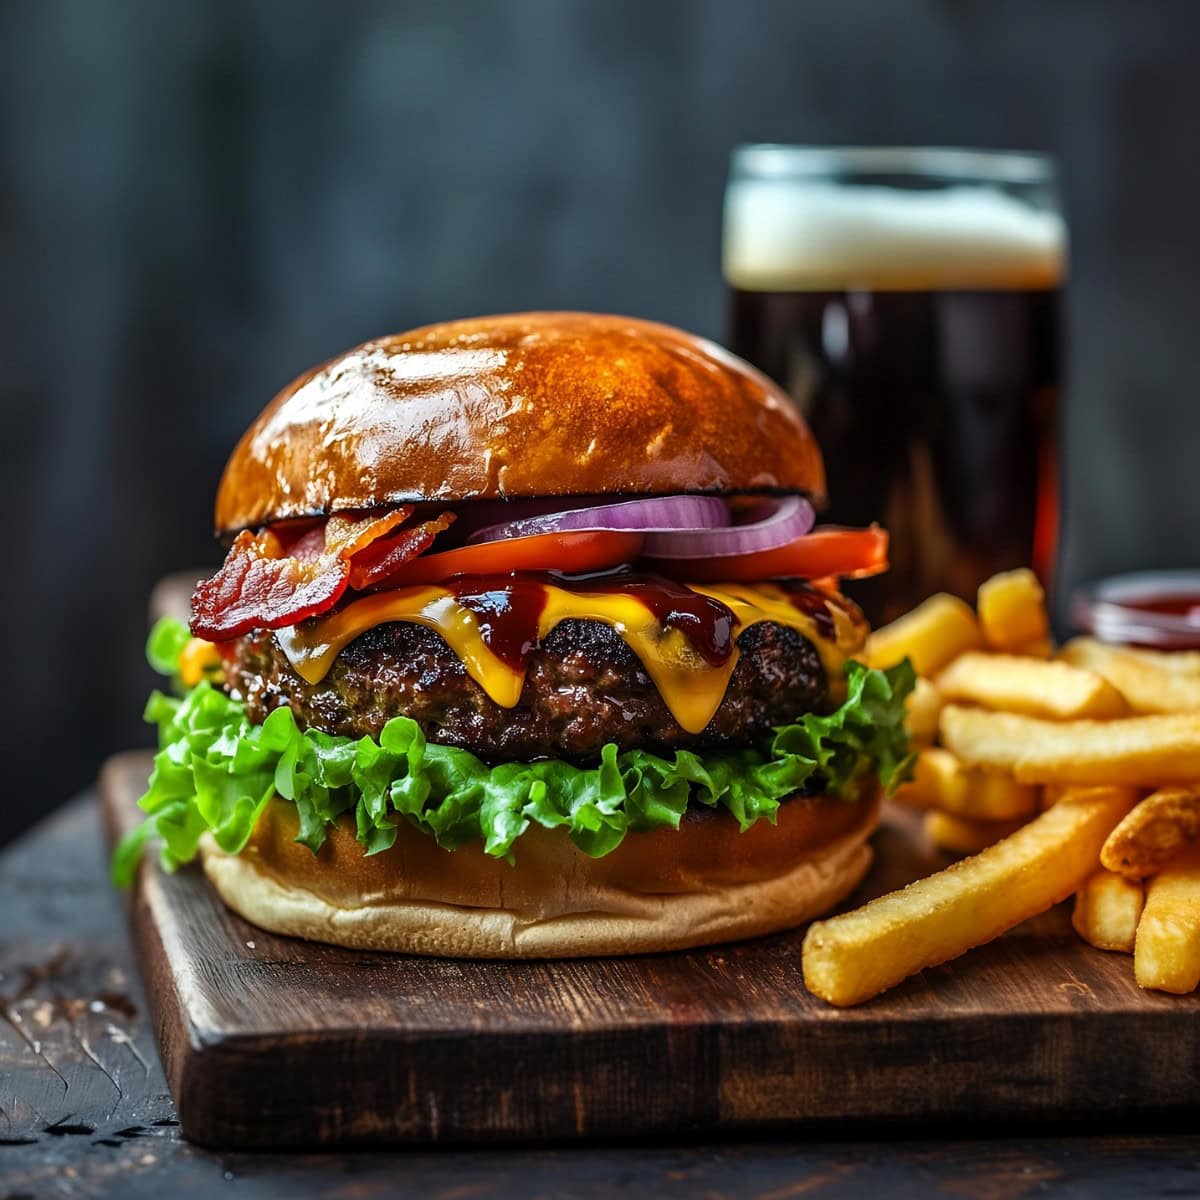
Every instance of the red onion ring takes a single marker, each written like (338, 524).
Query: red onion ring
(675, 526)
(660, 515)
(785, 521)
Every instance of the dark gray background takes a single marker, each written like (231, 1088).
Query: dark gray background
(198, 199)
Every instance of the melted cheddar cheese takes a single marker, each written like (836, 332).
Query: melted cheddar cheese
(690, 687)
(199, 660)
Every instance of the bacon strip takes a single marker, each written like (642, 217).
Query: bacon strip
(347, 536)
(372, 567)
(263, 586)
(259, 587)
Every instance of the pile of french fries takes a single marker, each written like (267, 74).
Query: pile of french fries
(1059, 773)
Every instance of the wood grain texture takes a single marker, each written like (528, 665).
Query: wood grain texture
(272, 1041)
(72, 1140)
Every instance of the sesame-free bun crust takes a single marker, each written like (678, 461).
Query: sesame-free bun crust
(529, 404)
(662, 890)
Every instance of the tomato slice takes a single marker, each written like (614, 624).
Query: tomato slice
(826, 551)
(572, 553)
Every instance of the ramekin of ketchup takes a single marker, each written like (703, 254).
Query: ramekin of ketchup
(1160, 609)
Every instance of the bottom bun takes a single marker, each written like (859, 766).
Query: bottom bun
(661, 890)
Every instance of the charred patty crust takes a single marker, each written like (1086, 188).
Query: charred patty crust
(584, 687)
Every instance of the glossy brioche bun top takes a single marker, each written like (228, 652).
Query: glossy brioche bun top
(529, 404)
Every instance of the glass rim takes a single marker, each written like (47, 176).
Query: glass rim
(781, 160)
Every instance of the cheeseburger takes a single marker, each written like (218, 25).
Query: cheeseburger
(525, 645)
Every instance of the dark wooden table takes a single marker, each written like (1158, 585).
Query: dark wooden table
(84, 1110)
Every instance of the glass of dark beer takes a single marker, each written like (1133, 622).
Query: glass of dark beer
(908, 299)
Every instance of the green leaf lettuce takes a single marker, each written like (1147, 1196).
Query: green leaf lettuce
(215, 772)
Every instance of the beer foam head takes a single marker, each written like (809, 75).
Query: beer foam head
(816, 235)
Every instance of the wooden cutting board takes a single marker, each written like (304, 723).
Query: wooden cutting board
(272, 1041)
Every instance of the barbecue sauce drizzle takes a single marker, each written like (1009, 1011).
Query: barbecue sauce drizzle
(508, 608)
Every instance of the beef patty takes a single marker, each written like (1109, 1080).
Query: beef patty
(584, 688)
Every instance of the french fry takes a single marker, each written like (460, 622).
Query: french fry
(1052, 793)
(1055, 690)
(1133, 751)
(1149, 684)
(1166, 953)
(964, 835)
(931, 635)
(1157, 829)
(1012, 613)
(1182, 662)
(1176, 662)
(850, 958)
(1043, 648)
(940, 781)
(923, 707)
(1107, 910)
